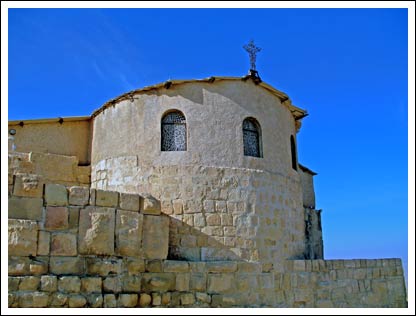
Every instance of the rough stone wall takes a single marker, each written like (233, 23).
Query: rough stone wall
(217, 213)
(28, 172)
(80, 247)
(307, 188)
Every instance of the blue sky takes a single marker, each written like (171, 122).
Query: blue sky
(347, 67)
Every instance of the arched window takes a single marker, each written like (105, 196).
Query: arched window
(293, 150)
(251, 138)
(173, 131)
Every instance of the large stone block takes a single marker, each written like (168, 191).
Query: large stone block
(220, 283)
(44, 239)
(76, 301)
(23, 237)
(79, 195)
(39, 265)
(96, 231)
(33, 299)
(66, 265)
(127, 300)
(54, 167)
(151, 206)
(28, 185)
(25, 208)
(29, 283)
(175, 266)
(159, 282)
(129, 227)
(110, 301)
(18, 265)
(103, 267)
(91, 285)
(221, 266)
(134, 266)
(145, 300)
(95, 300)
(64, 244)
(112, 284)
(56, 218)
(130, 283)
(155, 237)
(56, 194)
(130, 202)
(106, 198)
(58, 299)
(48, 283)
(69, 284)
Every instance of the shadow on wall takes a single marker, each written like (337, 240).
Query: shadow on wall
(188, 243)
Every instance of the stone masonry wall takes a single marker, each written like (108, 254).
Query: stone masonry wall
(80, 247)
(217, 213)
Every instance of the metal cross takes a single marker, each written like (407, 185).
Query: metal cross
(252, 51)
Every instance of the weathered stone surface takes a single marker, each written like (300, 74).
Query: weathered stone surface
(18, 265)
(220, 283)
(48, 283)
(58, 299)
(130, 283)
(23, 237)
(63, 244)
(96, 231)
(33, 299)
(112, 284)
(110, 300)
(29, 283)
(161, 282)
(175, 266)
(25, 208)
(73, 218)
(103, 267)
(43, 243)
(56, 194)
(151, 206)
(83, 174)
(28, 185)
(91, 285)
(56, 218)
(127, 300)
(135, 266)
(95, 300)
(69, 284)
(66, 265)
(12, 300)
(77, 301)
(129, 227)
(130, 202)
(203, 297)
(221, 266)
(54, 167)
(166, 299)
(13, 283)
(198, 282)
(213, 219)
(155, 237)
(156, 299)
(79, 195)
(145, 300)
(182, 282)
(154, 266)
(187, 299)
(106, 198)
(38, 267)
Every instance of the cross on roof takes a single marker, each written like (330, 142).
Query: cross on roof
(252, 51)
